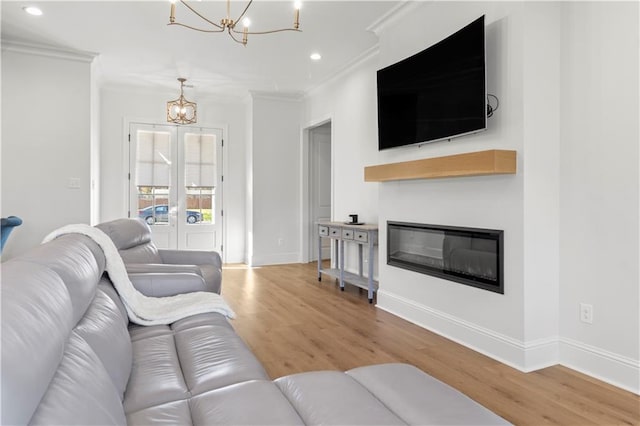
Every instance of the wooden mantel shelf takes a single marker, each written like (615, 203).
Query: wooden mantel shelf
(490, 162)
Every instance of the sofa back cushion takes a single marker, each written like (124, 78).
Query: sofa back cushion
(66, 354)
(132, 237)
(81, 392)
(103, 328)
(77, 261)
(36, 319)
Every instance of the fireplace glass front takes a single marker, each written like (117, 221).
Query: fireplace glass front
(470, 256)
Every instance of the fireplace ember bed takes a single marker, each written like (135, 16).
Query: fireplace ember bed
(470, 256)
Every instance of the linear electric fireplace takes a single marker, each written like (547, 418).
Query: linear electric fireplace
(468, 256)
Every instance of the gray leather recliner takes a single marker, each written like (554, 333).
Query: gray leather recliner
(153, 271)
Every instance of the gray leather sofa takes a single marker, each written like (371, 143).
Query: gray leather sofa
(69, 356)
(148, 266)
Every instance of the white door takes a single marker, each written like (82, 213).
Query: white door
(200, 189)
(319, 186)
(175, 184)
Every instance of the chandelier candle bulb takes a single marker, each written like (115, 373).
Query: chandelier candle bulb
(228, 24)
(296, 15)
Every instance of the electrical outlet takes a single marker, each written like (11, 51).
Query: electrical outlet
(280, 241)
(73, 183)
(586, 313)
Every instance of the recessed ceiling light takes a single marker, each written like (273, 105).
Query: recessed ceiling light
(315, 56)
(32, 10)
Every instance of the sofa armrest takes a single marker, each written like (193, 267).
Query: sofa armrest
(143, 268)
(191, 257)
(162, 285)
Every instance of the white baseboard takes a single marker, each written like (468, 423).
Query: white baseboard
(274, 259)
(525, 356)
(614, 369)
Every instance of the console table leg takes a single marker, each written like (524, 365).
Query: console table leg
(341, 257)
(370, 292)
(319, 257)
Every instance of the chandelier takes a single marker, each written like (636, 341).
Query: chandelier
(181, 111)
(229, 25)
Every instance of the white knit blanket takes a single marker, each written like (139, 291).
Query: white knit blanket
(142, 309)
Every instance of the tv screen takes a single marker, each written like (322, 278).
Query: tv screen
(436, 94)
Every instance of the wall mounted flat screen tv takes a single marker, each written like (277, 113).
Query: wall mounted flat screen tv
(436, 94)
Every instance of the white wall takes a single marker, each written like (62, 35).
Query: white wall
(248, 168)
(122, 104)
(489, 322)
(541, 191)
(599, 190)
(520, 327)
(95, 143)
(567, 78)
(46, 140)
(350, 101)
(275, 171)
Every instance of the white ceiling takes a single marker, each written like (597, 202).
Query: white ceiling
(136, 47)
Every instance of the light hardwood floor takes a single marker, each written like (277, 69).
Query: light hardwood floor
(293, 323)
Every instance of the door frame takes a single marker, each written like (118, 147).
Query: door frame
(126, 123)
(306, 233)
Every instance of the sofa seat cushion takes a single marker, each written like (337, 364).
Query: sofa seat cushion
(332, 397)
(188, 358)
(248, 403)
(419, 398)
(255, 402)
(385, 394)
(156, 375)
(171, 413)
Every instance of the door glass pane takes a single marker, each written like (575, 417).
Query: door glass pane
(153, 176)
(200, 177)
(153, 204)
(200, 205)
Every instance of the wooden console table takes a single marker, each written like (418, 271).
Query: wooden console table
(342, 232)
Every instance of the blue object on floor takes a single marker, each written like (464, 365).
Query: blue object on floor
(7, 225)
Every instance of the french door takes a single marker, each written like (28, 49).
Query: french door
(175, 177)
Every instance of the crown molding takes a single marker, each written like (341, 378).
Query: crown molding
(48, 51)
(393, 15)
(162, 91)
(276, 96)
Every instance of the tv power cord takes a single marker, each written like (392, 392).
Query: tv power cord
(490, 108)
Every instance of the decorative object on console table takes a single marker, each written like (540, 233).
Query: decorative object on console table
(354, 220)
(354, 233)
